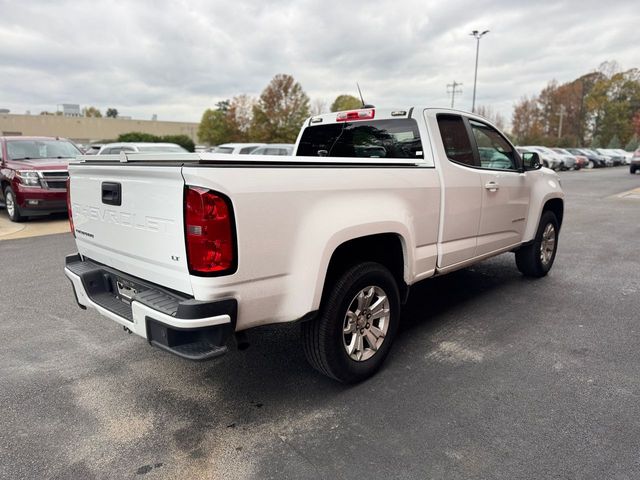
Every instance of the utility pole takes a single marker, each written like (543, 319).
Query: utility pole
(477, 35)
(561, 115)
(453, 86)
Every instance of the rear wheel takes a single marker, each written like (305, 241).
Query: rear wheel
(536, 259)
(11, 204)
(356, 325)
(632, 169)
(590, 165)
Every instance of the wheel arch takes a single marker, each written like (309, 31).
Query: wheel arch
(388, 248)
(556, 206)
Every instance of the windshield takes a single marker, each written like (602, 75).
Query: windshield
(40, 149)
(162, 148)
(397, 138)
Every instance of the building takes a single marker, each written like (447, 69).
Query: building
(90, 129)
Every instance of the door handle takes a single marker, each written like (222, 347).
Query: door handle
(491, 186)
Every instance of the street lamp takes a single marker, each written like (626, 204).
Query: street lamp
(477, 35)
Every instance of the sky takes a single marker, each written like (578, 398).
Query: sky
(177, 58)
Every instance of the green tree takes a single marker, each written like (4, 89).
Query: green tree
(91, 112)
(112, 112)
(213, 128)
(345, 102)
(633, 143)
(596, 142)
(138, 137)
(280, 111)
(182, 140)
(614, 142)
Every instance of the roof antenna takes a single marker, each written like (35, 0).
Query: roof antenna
(364, 105)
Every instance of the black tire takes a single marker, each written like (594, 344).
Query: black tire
(322, 337)
(13, 213)
(632, 169)
(528, 258)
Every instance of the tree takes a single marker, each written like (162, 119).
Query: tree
(494, 117)
(526, 124)
(633, 144)
(182, 140)
(112, 112)
(280, 111)
(213, 128)
(614, 142)
(238, 117)
(345, 102)
(91, 112)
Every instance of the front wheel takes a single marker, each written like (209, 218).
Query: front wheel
(536, 259)
(356, 325)
(11, 204)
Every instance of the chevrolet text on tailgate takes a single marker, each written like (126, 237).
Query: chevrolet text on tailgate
(189, 250)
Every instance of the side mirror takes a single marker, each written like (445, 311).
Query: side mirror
(531, 161)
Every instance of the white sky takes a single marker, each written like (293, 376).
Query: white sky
(176, 58)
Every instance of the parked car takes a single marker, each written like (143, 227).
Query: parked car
(548, 157)
(580, 161)
(92, 149)
(634, 164)
(236, 148)
(274, 149)
(33, 175)
(626, 155)
(616, 158)
(140, 147)
(608, 161)
(595, 160)
(334, 240)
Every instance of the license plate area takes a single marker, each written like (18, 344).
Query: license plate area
(125, 289)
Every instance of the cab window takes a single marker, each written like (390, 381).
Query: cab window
(494, 151)
(456, 139)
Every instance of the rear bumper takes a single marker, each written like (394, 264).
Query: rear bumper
(186, 327)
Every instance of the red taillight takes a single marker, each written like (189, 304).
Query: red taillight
(209, 231)
(366, 114)
(73, 230)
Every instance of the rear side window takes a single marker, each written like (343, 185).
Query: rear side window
(398, 138)
(456, 140)
(247, 150)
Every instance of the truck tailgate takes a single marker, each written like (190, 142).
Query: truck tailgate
(130, 217)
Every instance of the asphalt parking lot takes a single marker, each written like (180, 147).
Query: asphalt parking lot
(492, 376)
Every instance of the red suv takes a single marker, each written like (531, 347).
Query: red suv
(33, 175)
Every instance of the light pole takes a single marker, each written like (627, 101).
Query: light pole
(477, 35)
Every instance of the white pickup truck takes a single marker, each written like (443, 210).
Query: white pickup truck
(189, 250)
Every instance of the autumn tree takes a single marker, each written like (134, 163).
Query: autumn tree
(238, 117)
(493, 116)
(526, 123)
(280, 111)
(91, 112)
(345, 102)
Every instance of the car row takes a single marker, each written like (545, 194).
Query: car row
(575, 158)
